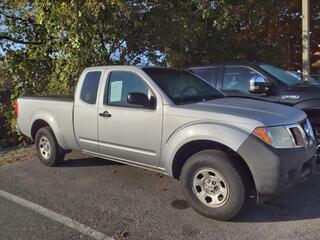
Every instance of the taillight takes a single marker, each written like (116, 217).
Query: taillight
(16, 109)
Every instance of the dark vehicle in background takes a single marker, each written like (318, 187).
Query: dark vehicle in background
(265, 82)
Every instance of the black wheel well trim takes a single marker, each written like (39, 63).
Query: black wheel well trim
(36, 125)
(312, 115)
(40, 123)
(190, 148)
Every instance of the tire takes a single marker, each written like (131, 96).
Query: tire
(224, 185)
(48, 149)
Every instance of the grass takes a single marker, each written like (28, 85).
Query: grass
(15, 155)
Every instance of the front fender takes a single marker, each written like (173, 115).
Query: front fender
(48, 118)
(308, 104)
(312, 109)
(228, 135)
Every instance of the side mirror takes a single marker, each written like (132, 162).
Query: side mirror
(140, 99)
(259, 84)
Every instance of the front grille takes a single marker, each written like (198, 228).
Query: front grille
(302, 134)
(297, 135)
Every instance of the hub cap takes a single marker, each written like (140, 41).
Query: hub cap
(44, 147)
(210, 187)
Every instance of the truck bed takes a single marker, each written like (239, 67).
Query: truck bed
(57, 111)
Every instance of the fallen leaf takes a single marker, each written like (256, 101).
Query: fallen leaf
(163, 189)
(121, 234)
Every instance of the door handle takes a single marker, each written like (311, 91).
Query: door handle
(105, 114)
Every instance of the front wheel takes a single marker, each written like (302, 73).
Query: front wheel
(214, 186)
(47, 147)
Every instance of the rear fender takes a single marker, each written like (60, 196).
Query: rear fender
(50, 120)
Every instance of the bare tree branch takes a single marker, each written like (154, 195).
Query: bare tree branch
(15, 18)
(20, 41)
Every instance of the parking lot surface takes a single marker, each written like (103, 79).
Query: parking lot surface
(125, 202)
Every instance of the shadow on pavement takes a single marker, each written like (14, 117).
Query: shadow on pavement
(87, 162)
(300, 203)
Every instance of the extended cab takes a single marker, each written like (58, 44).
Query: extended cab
(167, 120)
(265, 82)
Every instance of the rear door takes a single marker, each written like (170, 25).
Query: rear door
(127, 132)
(86, 111)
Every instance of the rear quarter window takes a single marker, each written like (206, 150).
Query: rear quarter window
(90, 87)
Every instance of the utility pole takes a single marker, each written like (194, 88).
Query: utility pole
(305, 40)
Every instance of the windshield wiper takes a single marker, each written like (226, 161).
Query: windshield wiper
(208, 98)
(188, 100)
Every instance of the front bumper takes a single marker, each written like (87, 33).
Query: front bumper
(276, 170)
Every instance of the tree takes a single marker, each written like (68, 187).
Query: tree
(46, 44)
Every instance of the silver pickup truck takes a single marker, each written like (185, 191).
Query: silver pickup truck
(223, 150)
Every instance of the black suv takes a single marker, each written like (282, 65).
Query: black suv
(265, 82)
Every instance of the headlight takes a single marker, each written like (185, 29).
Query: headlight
(278, 137)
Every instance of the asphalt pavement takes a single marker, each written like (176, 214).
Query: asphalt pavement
(119, 201)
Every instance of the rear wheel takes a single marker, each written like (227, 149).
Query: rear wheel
(48, 149)
(214, 185)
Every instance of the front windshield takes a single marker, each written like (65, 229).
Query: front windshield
(298, 75)
(181, 86)
(281, 74)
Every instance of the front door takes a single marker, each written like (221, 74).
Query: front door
(126, 131)
(236, 83)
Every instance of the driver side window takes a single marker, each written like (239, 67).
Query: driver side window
(120, 84)
(238, 78)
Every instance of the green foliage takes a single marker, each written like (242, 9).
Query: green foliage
(46, 44)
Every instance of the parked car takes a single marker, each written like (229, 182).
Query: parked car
(265, 82)
(171, 121)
